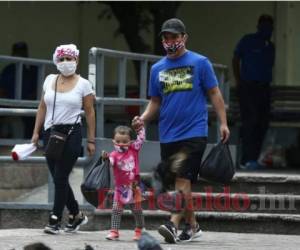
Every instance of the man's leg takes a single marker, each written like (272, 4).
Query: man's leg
(186, 160)
(184, 185)
(249, 119)
(264, 108)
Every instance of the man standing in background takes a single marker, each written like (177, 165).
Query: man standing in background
(252, 64)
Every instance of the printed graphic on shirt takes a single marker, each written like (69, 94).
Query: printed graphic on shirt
(126, 164)
(176, 79)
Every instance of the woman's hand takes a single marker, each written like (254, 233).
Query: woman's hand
(35, 138)
(91, 148)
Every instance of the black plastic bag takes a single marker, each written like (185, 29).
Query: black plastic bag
(218, 165)
(96, 183)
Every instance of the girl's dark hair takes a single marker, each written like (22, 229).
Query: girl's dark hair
(123, 130)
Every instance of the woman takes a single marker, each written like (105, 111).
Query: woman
(64, 95)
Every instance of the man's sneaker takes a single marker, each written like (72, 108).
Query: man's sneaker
(53, 226)
(75, 222)
(112, 235)
(189, 234)
(137, 233)
(251, 165)
(169, 232)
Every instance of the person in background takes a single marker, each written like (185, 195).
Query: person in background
(72, 94)
(179, 84)
(252, 64)
(18, 127)
(125, 163)
(29, 76)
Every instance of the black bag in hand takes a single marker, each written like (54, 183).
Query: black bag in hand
(97, 180)
(218, 165)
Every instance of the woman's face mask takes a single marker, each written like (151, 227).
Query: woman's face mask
(67, 68)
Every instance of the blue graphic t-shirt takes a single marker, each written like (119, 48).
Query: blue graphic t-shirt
(181, 84)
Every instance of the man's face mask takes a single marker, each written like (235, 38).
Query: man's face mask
(173, 45)
(67, 68)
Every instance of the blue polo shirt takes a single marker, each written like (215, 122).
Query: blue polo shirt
(257, 58)
(182, 84)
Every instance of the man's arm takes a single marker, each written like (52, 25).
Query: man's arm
(150, 112)
(151, 109)
(236, 69)
(219, 106)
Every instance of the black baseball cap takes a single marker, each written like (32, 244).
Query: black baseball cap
(173, 25)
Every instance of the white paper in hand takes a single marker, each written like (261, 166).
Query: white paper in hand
(22, 151)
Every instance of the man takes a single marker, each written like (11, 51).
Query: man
(178, 86)
(252, 67)
(22, 126)
(29, 76)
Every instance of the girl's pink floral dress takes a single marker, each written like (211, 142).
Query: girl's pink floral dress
(126, 171)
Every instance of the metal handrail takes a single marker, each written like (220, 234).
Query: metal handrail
(25, 60)
(19, 62)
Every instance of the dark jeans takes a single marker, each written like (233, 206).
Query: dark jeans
(255, 100)
(61, 169)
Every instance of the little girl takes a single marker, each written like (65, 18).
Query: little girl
(126, 171)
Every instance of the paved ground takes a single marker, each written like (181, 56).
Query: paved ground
(17, 238)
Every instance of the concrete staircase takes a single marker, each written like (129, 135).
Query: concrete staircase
(254, 202)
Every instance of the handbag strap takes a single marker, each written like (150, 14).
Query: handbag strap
(55, 90)
(71, 129)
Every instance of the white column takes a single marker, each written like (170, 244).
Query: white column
(287, 42)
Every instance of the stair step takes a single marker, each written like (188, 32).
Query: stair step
(222, 202)
(35, 216)
(258, 182)
(212, 221)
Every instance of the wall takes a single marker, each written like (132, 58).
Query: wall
(214, 29)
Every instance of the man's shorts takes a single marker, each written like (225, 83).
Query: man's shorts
(193, 148)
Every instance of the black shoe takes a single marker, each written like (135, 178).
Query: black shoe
(188, 234)
(53, 226)
(169, 232)
(75, 222)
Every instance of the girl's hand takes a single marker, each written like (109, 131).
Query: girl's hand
(104, 155)
(137, 123)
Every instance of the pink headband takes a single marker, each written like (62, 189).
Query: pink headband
(65, 50)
